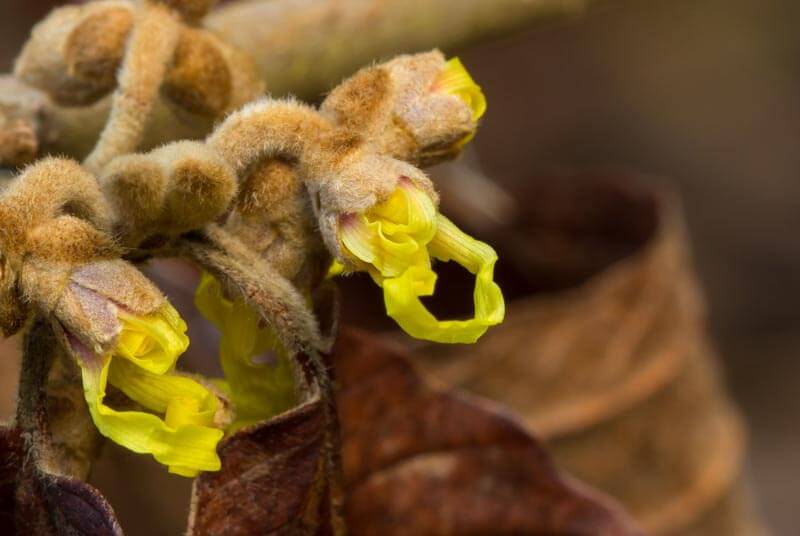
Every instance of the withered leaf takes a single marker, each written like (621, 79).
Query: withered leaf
(11, 453)
(272, 480)
(34, 501)
(420, 459)
(417, 460)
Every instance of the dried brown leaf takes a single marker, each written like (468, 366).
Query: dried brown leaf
(420, 459)
(417, 460)
(34, 501)
(272, 480)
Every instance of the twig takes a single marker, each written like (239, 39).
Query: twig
(250, 277)
(149, 52)
(304, 47)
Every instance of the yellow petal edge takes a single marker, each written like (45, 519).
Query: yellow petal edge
(456, 80)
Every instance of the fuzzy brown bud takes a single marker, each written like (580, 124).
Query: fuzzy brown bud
(200, 79)
(168, 191)
(52, 218)
(73, 54)
(89, 304)
(191, 10)
(400, 106)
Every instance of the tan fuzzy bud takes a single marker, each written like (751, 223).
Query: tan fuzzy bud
(273, 216)
(96, 46)
(51, 188)
(171, 190)
(397, 104)
(199, 80)
(52, 218)
(362, 102)
(73, 53)
(437, 103)
(191, 10)
(136, 186)
(22, 122)
(88, 301)
(202, 185)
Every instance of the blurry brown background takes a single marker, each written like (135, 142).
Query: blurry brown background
(704, 94)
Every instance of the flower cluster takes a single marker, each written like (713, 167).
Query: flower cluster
(275, 194)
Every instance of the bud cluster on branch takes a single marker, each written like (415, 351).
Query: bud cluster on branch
(279, 198)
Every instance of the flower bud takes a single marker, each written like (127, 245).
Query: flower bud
(74, 53)
(168, 191)
(420, 108)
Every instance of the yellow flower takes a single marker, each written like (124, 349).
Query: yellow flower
(456, 80)
(395, 240)
(154, 342)
(142, 367)
(258, 372)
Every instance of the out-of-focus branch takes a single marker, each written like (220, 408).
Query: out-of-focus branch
(301, 47)
(304, 47)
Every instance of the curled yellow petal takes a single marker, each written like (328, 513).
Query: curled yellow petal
(402, 293)
(259, 377)
(392, 235)
(336, 268)
(394, 242)
(456, 80)
(451, 243)
(185, 445)
(155, 341)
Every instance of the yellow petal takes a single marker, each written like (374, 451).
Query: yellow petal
(186, 448)
(392, 235)
(259, 390)
(402, 293)
(155, 341)
(211, 302)
(156, 392)
(456, 80)
(337, 268)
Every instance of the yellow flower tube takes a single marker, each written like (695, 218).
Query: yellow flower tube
(153, 342)
(394, 242)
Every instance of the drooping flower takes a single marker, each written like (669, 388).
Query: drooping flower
(259, 378)
(395, 242)
(136, 352)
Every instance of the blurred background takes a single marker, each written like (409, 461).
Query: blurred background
(703, 95)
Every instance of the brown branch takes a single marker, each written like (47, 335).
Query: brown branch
(305, 47)
(249, 276)
(150, 49)
(301, 48)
